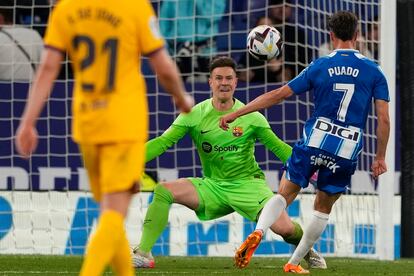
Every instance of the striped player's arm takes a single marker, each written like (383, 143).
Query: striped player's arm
(383, 132)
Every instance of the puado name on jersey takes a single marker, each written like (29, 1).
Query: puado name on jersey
(343, 71)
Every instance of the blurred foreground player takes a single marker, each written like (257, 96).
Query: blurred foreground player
(104, 40)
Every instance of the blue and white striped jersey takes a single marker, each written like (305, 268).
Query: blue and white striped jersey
(344, 84)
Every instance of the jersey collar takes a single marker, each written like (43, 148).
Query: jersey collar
(346, 50)
(237, 104)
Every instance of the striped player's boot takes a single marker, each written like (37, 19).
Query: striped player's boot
(291, 268)
(315, 260)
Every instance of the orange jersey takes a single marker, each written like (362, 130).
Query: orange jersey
(104, 40)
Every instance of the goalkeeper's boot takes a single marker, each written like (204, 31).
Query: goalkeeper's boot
(291, 268)
(141, 259)
(246, 250)
(315, 260)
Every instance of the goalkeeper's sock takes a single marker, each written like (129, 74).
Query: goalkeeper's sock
(313, 232)
(103, 244)
(271, 212)
(296, 236)
(156, 218)
(121, 262)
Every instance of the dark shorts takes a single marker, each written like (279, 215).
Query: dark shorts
(334, 172)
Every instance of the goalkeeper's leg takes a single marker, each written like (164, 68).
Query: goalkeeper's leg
(156, 217)
(181, 191)
(155, 221)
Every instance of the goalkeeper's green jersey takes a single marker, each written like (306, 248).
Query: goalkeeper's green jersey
(224, 155)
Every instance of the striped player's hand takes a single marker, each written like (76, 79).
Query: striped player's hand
(227, 119)
(378, 167)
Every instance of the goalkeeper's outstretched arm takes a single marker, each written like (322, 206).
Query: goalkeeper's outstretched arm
(273, 143)
(157, 146)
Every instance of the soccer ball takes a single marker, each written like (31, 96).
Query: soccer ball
(264, 42)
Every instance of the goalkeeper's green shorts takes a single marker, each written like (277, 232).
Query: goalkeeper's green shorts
(219, 198)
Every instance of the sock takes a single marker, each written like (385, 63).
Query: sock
(271, 212)
(121, 262)
(312, 233)
(296, 236)
(156, 218)
(103, 243)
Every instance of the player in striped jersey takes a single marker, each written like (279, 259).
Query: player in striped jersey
(344, 84)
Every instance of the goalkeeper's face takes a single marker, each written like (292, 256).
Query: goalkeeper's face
(223, 82)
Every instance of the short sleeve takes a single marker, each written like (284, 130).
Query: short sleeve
(54, 37)
(302, 82)
(381, 87)
(150, 39)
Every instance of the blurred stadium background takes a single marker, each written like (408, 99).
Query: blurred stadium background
(45, 206)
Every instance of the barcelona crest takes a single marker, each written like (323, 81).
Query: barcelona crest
(237, 131)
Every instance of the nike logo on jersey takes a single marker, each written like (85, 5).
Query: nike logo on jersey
(205, 131)
(260, 202)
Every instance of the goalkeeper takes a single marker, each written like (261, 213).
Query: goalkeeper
(232, 182)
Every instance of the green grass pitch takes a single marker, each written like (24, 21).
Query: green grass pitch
(69, 265)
